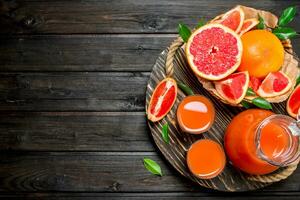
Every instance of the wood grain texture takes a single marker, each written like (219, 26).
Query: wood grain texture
(61, 53)
(118, 16)
(230, 179)
(75, 131)
(42, 44)
(150, 196)
(73, 91)
(129, 52)
(100, 172)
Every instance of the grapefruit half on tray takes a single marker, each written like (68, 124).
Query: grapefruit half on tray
(214, 51)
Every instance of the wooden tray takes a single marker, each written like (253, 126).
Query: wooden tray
(231, 179)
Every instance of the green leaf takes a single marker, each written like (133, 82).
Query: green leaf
(261, 24)
(261, 103)
(152, 166)
(165, 133)
(186, 89)
(250, 92)
(184, 32)
(284, 33)
(297, 81)
(287, 16)
(246, 104)
(201, 23)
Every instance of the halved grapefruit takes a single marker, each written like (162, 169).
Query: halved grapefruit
(275, 84)
(248, 25)
(234, 87)
(293, 103)
(162, 99)
(232, 19)
(214, 51)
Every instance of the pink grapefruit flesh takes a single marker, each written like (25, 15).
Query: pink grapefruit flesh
(275, 84)
(293, 103)
(233, 19)
(248, 25)
(214, 51)
(254, 83)
(234, 87)
(162, 99)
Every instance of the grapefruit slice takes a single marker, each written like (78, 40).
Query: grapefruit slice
(254, 83)
(233, 19)
(234, 87)
(214, 51)
(293, 103)
(275, 84)
(162, 99)
(248, 25)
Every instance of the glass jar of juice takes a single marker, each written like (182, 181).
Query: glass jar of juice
(259, 141)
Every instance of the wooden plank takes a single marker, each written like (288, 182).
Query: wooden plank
(98, 172)
(151, 196)
(74, 131)
(85, 52)
(117, 16)
(81, 52)
(79, 91)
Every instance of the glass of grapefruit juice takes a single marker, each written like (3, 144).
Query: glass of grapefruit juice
(206, 159)
(259, 142)
(195, 114)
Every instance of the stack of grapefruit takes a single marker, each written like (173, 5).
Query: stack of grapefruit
(229, 55)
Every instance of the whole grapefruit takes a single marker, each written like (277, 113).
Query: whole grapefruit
(262, 53)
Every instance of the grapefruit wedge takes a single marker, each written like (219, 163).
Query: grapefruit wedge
(293, 103)
(162, 99)
(214, 51)
(254, 83)
(233, 19)
(248, 25)
(275, 84)
(234, 87)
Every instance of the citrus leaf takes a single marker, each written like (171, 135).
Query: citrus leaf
(152, 166)
(261, 24)
(261, 103)
(287, 16)
(186, 89)
(201, 23)
(246, 104)
(250, 92)
(184, 32)
(297, 81)
(284, 33)
(165, 133)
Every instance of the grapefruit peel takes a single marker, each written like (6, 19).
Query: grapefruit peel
(275, 84)
(248, 25)
(162, 99)
(293, 103)
(211, 51)
(234, 87)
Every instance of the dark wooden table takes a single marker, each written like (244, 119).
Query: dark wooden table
(72, 91)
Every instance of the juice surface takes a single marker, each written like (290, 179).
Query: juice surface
(206, 159)
(195, 114)
(274, 140)
(240, 142)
